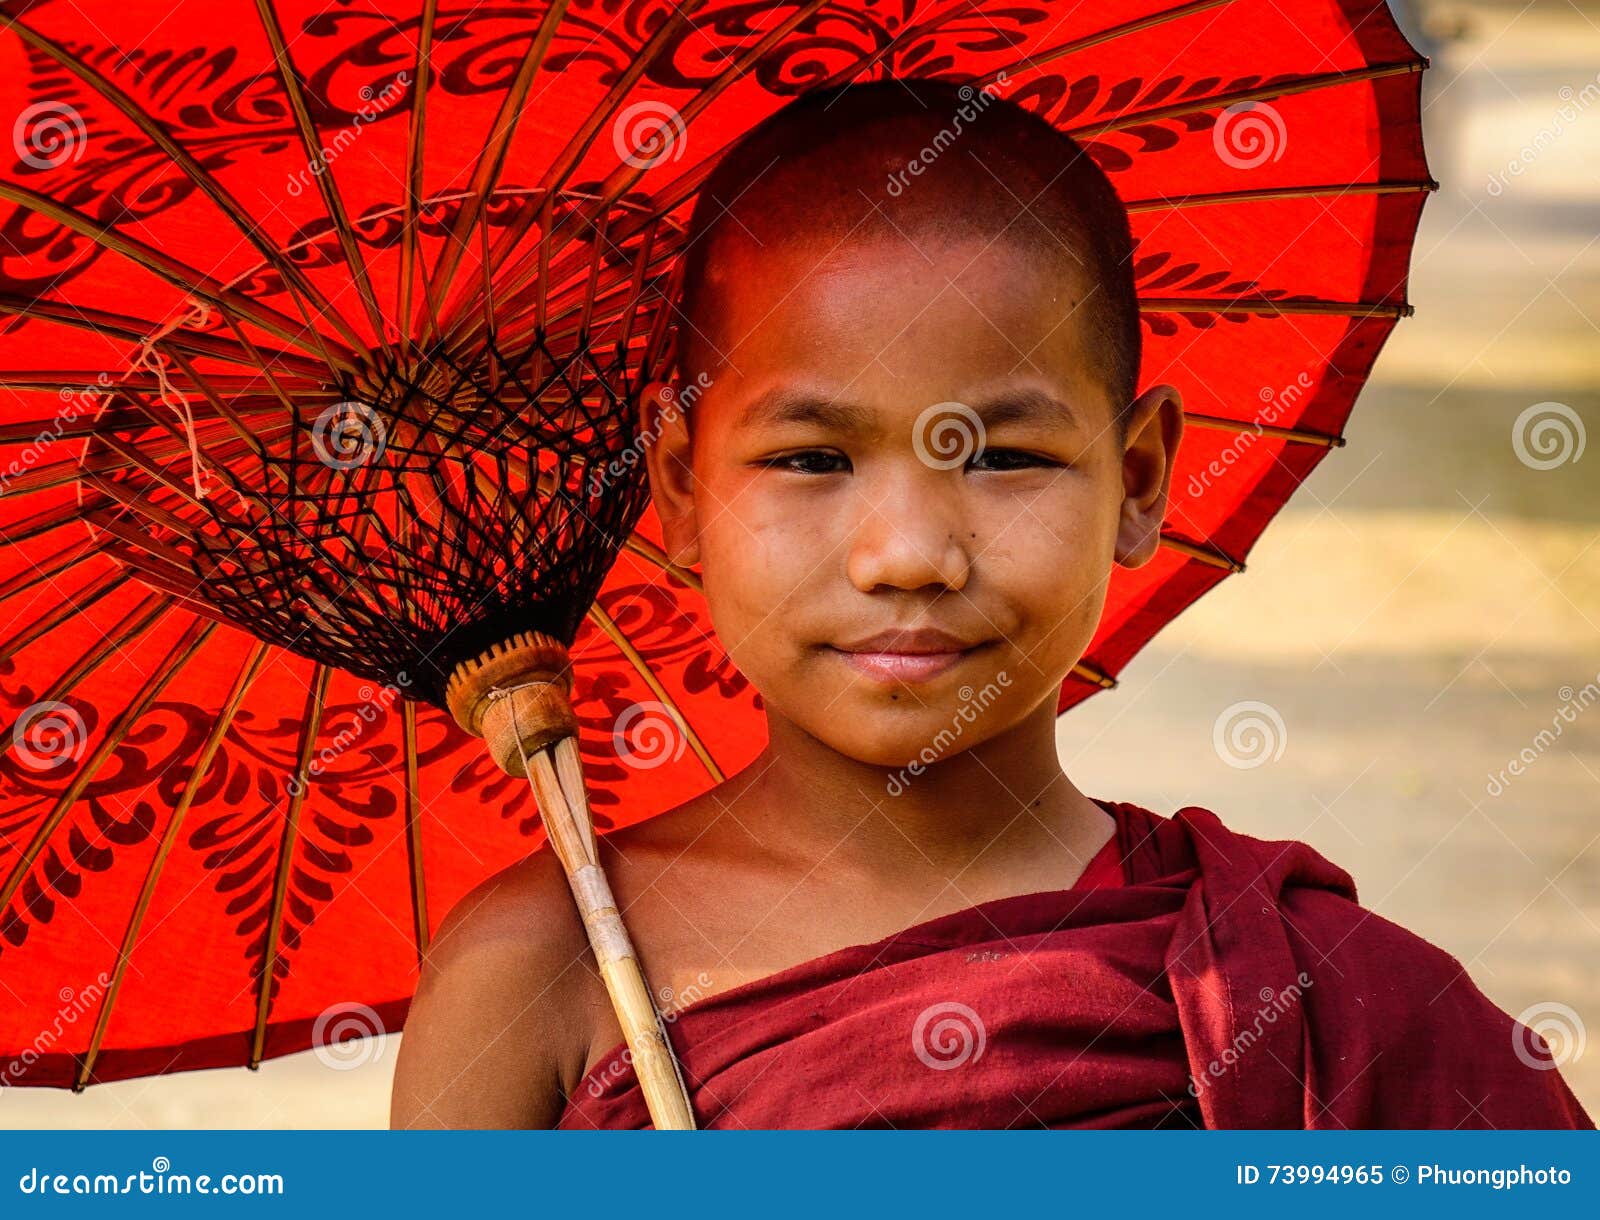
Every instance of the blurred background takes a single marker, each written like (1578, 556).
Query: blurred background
(1408, 676)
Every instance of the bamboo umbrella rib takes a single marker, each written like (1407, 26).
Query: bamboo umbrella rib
(161, 564)
(681, 188)
(686, 577)
(175, 272)
(604, 621)
(194, 635)
(130, 936)
(1288, 88)
(1161, 203)
(28, 432)
(492, 158)
(524, 329)
(71, 607)
(141, 540)
(137, 503)
(419, 885)
(414, 144)
(220, 405)
(91, 380)
(332, 203)
(179, 587)
(566, 161)
(62, 380)
(686, 184)
(56, 565)
(623, 178)
(51, 476)
(1138, 26)
(1205, 554)
(159, 573)
(60, 474)
(1255, 305)
(32, 431)
(173, 484)
(522, 300)
(125, 326)
(134, 624)
(272, 504)
(1300, 436)
(1088, 671)
(586, 299)
(630, 312)
(221, 437)
(658, 335)
(518, 276)
(158, 135)
(42, 523)
(571, 266)
(486, 274)
(266, 372)
(310, 726)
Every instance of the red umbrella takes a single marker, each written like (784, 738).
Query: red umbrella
(262, 267)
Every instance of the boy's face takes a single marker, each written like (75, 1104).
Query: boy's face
(905, 485)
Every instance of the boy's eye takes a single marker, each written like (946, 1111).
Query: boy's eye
(1000, 460)
(811, 461)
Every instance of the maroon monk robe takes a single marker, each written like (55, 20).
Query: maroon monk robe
(1219, 981)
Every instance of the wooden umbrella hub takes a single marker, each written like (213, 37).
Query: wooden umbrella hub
(516, 695)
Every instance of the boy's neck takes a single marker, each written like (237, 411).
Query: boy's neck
(1004, 800)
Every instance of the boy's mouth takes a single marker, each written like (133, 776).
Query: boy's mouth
(906, 656)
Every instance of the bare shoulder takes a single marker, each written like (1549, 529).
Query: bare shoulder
(510, 1011)
(502, 1018)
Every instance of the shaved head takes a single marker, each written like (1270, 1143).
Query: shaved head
(925, 162)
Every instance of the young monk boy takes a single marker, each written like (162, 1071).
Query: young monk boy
(980, 945)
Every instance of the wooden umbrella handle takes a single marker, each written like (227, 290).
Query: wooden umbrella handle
(557, 779)
(515, 696)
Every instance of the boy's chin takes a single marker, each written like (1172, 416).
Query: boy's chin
(894, 739)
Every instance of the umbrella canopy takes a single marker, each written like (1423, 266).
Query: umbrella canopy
(290, 290)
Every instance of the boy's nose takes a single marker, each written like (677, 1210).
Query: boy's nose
(907, 541)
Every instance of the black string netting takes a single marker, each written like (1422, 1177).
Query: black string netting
(401, 525)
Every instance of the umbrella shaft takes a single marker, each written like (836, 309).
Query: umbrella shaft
(555, 775)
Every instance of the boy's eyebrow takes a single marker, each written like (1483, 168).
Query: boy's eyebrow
(786, 406)
(1025, 403)
(782, 405)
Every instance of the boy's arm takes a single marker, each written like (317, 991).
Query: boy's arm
(495, 1035)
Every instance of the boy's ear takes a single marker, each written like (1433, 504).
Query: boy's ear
(1155, 426)
(665, 431)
